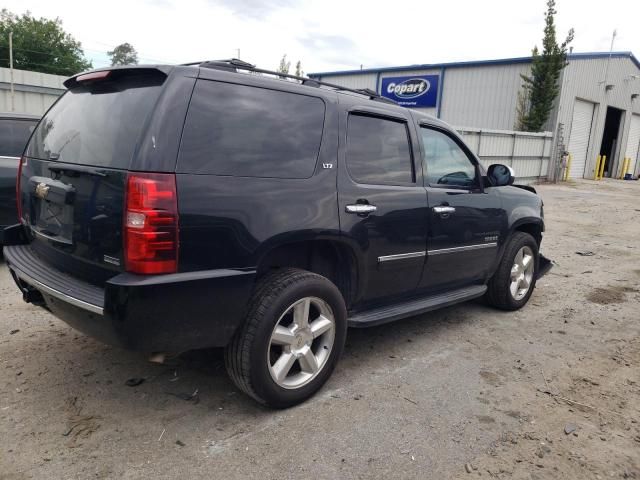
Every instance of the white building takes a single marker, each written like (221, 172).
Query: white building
(34, 92)
(596, 113)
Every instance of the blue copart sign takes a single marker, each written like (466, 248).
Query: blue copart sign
(415, 91)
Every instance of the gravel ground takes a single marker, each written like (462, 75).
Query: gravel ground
(551, 391)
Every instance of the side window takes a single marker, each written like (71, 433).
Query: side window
(252, 132)
(378, 151)
(446, 163)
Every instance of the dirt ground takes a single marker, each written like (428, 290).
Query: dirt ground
(549, 392)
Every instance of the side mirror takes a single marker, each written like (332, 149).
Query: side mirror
(500, 175)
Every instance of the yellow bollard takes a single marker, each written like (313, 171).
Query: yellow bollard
(568, 169)
(597, 172)
(604, 162)
(625, 167)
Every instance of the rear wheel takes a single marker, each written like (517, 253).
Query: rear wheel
(292, 339)
(512, 285)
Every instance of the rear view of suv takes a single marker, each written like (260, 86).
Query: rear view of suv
(169, 208)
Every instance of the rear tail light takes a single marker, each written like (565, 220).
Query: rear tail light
(23, 161)
(151, 223)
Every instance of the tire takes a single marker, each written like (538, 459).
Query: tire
(274, 332)
(500, 288)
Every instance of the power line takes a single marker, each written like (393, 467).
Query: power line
(106, 53)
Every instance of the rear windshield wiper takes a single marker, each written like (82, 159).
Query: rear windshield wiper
(76, 170)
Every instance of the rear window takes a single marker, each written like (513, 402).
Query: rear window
(14, 134)
(247, 131)
(378, 151)
(98, 124)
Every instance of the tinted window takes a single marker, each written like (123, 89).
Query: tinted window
(14, 135)
(98, 124)
(378, 151)
(446, 163)
(248, 131)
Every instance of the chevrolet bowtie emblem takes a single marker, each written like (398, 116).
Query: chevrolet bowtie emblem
(42, 190)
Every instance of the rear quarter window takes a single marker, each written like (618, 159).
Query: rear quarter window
(239, 130)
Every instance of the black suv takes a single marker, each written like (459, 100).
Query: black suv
(169, 208)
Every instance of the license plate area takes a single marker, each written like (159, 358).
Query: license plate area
(53, 205)
(55, 221)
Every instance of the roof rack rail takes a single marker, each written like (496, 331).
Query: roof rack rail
(235, 64)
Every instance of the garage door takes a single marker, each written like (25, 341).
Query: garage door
(633, 144)
(579, 139)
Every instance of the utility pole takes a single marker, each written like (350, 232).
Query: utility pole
(11, 69)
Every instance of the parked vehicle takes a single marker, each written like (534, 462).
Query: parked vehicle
(169, 208)
(15, 129)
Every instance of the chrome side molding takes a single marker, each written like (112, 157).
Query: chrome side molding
(401, 256)
(465, 248)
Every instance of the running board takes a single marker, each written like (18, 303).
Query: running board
(391, 313)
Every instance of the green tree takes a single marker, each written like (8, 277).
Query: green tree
(541, 88)
(123, 54)
(299, 72)
(40, 44)
(285, 65)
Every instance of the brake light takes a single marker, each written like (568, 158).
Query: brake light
(151, 223)
(93, 76)
(23, 161)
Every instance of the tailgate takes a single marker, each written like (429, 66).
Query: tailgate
(74, 173)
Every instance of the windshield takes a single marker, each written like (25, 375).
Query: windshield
(98, 124)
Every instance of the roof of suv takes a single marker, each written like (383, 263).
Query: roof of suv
(238, 67)
(272, 78)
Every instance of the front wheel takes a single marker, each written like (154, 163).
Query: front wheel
(512, 285)
(292, 339)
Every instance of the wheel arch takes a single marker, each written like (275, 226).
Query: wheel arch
(534, 226)
(330, 257)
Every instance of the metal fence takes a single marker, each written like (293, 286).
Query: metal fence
(527, 153)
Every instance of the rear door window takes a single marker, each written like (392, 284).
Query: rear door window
(98, 124)
(378, 151)
(14, 134)
(240, 130)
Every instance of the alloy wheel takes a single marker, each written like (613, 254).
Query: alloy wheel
(301, 342)
(522, 273)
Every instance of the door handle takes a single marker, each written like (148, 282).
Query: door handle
(360, 208)
(444, 209)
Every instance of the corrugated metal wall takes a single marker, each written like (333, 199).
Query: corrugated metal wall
(475, 96)
(482, 97)
(583, 80)
(485, 96)
(34, 92)
(360, 80)
(633, 145)
(527, 153)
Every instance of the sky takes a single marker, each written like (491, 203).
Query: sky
(328, 35)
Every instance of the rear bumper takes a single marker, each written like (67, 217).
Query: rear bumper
(167, 313)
